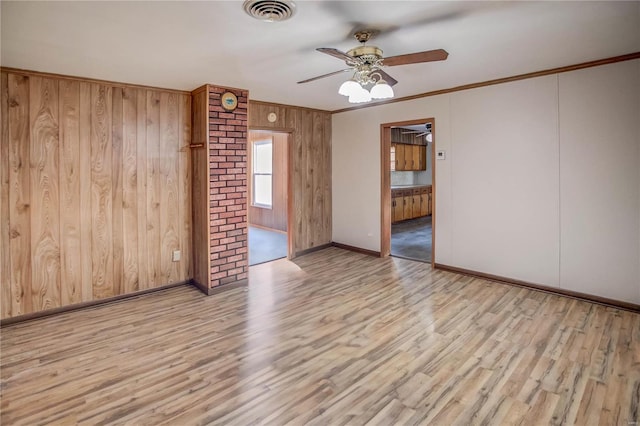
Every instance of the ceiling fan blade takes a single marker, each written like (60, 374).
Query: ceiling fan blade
(416, 58)
(421, 134)
(335, 53)
(324, 75)
(386, 77)
(411, 132)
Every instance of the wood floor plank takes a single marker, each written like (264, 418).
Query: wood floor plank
(334, 338)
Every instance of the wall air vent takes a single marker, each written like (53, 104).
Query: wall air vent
(270, 10)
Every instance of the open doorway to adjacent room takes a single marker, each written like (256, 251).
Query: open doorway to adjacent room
(268, 193)
(408, 189)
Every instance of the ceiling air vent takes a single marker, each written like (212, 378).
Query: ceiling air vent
(270, 10)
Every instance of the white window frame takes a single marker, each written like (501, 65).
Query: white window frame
(254, 174)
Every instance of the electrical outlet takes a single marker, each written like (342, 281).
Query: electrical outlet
(176, 255)
(440, 155)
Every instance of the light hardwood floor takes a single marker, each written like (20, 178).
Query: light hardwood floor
(335, 338)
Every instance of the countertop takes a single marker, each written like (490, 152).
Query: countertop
(408, 186)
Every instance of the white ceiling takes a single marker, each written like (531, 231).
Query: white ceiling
(182, 45)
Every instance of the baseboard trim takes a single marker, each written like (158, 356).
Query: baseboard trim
(312, 249)
(547, 289)
(220, 288)
(90, 304)
(356, 249)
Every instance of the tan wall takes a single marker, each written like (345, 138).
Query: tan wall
(95, 193)
(310, 166)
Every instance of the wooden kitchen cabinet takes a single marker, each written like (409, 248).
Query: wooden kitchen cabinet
(400, 157)
(415, 204)
(410, 203)
(424, 202)
(397, 209)
(409, 157)
(407, 207)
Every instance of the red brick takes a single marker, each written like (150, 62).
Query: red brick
(220, 250)
(218, 275)
(227, 253)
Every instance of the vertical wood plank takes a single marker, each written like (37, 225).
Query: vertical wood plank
(326, 173)
(141, 187)
(315, 164)
(184, 187)
(85, 191)
(5, 253)
(299, 242)
(45, 213)
(153, 188)
(19, 195)
(167, 179)
(101, 192)
(130, 191)
(307, 178)
(69, 178)
(117, 159)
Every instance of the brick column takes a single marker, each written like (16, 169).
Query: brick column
(227, 189)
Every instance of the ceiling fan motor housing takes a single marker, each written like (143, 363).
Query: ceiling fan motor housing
(366, 53)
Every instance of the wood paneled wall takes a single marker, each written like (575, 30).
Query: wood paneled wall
(276, 216)
(96, 190)
(310, 164)
(399, 135)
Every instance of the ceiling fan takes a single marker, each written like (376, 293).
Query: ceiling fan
(366, 62)
(420, 133)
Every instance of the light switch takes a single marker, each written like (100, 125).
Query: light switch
(440, 155)
(176, 256)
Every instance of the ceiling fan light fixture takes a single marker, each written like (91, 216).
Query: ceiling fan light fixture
(360, 96)
(429, 137)
(349, 88)
(381, 90)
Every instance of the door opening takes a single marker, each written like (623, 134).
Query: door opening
(267, 195)
(408, 189)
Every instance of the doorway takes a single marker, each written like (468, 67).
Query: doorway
(408, 189)
(267, 195)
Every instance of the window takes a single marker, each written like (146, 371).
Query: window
(262, 173)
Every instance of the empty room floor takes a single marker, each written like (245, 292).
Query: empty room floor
(412, 239)
(335, 337)
(266, 245)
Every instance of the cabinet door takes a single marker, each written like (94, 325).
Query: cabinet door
(424, 204)
(400, 157)
(415, 206)
(407, 207)
(415, 157)
(422, 157)
(397, 213)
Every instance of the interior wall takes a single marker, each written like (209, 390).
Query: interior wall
(276, 216)
(600, 181)
(309, 164)
(504, 180)
(95, 190)
(517, 194)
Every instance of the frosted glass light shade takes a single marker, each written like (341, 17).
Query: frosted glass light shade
(360, 96)
(348, 88)
(381, 90)
(429, 137)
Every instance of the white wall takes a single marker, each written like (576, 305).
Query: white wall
(529, 189)
(599, 180)
(504, 187)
